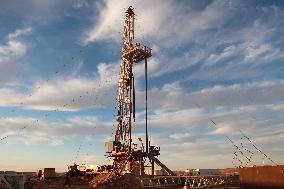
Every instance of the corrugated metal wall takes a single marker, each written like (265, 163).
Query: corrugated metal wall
(262, 177)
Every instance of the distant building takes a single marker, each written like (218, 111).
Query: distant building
(156, 172)
(201, 172)
(230, 171)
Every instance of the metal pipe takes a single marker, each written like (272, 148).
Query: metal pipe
(146, 103)
(133, 83)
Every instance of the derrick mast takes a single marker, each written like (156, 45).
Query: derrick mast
(127, 157)
(131, 53)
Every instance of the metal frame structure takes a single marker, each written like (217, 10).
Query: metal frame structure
(17, 179)
(127, 158)
(190, 181)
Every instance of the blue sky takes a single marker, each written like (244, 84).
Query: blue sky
(219, 60)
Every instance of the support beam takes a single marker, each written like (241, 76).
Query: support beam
(158, 162)
(2, 178)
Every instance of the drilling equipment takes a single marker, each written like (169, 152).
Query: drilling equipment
(126, 157)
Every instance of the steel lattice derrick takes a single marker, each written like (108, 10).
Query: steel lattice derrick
(131, 53)
(126, 158)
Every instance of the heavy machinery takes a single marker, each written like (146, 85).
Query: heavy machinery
(127, 158)
(45, 173)
(74, 170)
(87, 170)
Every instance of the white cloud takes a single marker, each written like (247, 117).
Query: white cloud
(72, 92)
(193, 138)
(11, 53)
(12, 48)
(157, 20)
(227, 53)
(80, 4)
(223, 128)
(186, 129)
(65, 94)
(255, 93)
(166, 24)
(153, 65)
(246, 53)
(37, 140)
(36, 131)
(171, 102)
(173, 96)
(180, 136)
(19, 32)
(173, 64)
(263, 53)
(204, 146)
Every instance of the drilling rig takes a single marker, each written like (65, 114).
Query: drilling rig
(127, 158)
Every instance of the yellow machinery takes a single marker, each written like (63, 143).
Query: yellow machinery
(45, 173)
